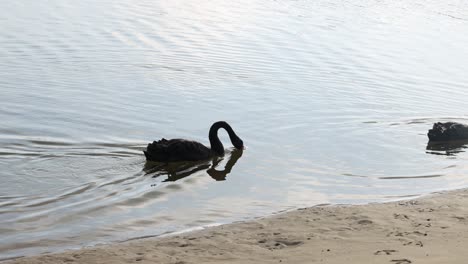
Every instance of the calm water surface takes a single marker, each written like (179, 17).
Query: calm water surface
(332, 98)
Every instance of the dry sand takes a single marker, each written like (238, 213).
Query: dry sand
(432, 229)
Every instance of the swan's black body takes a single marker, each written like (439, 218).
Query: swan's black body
(448, 131)
(185, 150)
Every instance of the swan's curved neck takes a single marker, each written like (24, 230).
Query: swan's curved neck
(216, 145)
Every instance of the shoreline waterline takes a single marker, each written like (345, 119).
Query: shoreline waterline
(428, 228)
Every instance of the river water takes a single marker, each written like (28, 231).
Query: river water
(333, 100)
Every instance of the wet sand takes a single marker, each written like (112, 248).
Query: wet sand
(432, 229)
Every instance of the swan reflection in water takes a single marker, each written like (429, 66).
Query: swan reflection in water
(448, 148)
(179, 170)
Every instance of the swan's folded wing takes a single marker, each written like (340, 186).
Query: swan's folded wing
(187, 150)
(176, 150)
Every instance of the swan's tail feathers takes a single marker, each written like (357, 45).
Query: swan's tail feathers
(156, 151)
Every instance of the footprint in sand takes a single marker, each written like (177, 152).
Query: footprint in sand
(289, 243)
(385, 251)
(365, 222)
(279, 244)
(401, 261)
(400, 216)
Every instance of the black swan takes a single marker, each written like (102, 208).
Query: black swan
(448, 131)
(185, 150)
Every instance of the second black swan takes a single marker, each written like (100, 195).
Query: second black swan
(186, 150)
(448, 131)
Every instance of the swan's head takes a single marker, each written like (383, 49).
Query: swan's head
(238, 143)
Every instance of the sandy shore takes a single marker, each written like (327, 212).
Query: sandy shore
(432, 229)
